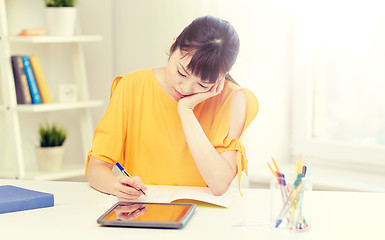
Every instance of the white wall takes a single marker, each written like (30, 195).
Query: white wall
(96, 17)
(143, 32)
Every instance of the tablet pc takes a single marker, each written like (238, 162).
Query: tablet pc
(151, 215)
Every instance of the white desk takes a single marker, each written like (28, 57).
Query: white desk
(335, 215)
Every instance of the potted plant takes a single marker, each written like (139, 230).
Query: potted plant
(60, 17)
(50, 153)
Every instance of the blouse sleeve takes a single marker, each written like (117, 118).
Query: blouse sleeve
(109, 136)
(222, 143)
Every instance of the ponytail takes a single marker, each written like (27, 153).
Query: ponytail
(231, 79)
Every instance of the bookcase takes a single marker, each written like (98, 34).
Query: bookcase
(19, 122)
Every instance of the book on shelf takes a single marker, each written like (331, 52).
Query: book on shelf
(23, 94)
(29, 32)
(33, 88)
(40, 79)
(13, 199)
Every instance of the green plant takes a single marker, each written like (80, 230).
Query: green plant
(51, 135)
(59, 3)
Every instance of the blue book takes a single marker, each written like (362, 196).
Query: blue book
(33, 88)
(13, 199)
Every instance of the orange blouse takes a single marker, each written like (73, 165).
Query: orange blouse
(141, 130)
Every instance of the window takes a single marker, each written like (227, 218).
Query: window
(339, 83)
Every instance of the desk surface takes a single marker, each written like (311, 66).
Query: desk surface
(335, 215)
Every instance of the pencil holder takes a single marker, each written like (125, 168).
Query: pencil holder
(290, 201)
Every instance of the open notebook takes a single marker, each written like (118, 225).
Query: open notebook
(196, 194)
(193, 193)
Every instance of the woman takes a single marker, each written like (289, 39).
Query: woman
(176, 125)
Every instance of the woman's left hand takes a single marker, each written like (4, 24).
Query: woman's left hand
(191, 101)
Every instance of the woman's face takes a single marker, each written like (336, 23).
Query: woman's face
(180, 81)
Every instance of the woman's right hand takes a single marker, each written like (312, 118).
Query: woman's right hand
(128, 188)
(101, 177)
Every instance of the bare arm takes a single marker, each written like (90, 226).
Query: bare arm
(101, 177)
(218, 170)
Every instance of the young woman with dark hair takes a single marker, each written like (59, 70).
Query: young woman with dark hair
(177, 125)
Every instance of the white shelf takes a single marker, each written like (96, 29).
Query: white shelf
(58, 106)
(56, 39)
(14, 112)
(8, 173)
(66, 172)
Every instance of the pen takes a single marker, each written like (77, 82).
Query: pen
(275, 164)
(298, 180)
(308, 167)
(128, 175)
(283, 181)
(304, 168)
(279, 180)
(299, 165)
(271, 169)
(300, 214)
(305, 171)
(292, 217)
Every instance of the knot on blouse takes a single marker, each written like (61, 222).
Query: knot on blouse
(233, 144)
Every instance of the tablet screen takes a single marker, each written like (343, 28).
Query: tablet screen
(137, 214)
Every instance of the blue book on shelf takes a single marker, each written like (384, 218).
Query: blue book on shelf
(13, 199)
(33, 88)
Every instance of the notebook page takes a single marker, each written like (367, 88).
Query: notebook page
(204, 195)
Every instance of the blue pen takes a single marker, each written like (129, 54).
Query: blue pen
(286, 189)
(128, 175)
(305, 171)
